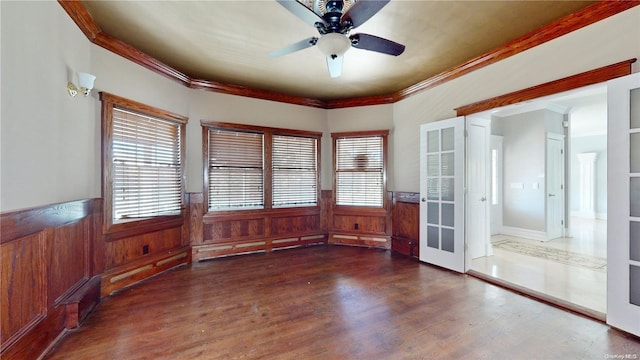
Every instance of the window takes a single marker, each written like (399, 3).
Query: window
(143, 156)
(360, 168)
(295, 171)
(235, 169)
(251, 167)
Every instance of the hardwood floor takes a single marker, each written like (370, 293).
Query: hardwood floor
(330, 302)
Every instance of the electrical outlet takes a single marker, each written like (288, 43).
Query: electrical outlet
(145, 249)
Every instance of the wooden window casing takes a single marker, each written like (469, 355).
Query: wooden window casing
(287, 179)
(143, 157)
(360, 169)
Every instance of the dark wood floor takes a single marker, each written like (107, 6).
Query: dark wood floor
(332, 302)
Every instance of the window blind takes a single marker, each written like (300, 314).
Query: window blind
(294, 165)
(360, 171)
(147, 166)
(235, 169)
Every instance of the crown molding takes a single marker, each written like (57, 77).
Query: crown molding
(587, 16)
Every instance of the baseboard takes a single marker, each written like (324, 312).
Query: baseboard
(375, 241)
(251, 246)
(127, 275)
(524, 233)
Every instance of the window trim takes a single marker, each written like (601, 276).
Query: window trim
(133, 226)
(267, 168)
(356, 134)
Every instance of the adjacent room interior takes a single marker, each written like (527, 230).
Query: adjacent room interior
(567, 264)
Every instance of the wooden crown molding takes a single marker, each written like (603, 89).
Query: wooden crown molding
(587, 16)
(554, 87)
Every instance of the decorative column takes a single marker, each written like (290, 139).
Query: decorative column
(587, 184)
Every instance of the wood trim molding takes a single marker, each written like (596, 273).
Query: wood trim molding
(569, 83)
(255, 93)
(587, 16)
(21, 223)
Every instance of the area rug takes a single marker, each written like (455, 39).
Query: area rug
(557, 255)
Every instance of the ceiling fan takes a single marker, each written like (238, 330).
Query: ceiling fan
(334, 27)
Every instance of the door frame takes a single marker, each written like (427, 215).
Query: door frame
(561, 194)
(483, 240)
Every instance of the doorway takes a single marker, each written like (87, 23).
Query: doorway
(542, 239)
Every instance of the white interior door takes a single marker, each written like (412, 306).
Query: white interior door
(554, 186)
(478, 190)
(496, 184)
(623, 203)
(442, 194)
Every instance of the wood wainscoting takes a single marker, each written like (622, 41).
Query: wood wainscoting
(406, 223)
(224, 233)
(137, 254)
(50, 260)
(361, 226)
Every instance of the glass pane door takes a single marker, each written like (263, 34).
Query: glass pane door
(623, 230)
(441, 192)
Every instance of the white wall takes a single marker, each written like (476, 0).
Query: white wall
(48, 138)
(524, 166)
(208, 106)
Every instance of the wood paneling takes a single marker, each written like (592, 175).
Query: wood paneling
(360, 224)
(554, 87)
(587, 16)
(295, 224)
(70, 248)
(406, 223)
(247, 231)
(126, 250)
(196, 211)
(24, 287)
(47, 274)
(326, 209)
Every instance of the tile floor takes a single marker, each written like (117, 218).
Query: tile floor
(572, 283)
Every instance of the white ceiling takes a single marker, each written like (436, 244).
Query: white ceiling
(229, 41)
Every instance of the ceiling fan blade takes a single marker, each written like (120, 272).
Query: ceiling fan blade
(334, 63)
(300, 45)
(374, 43)
(362, 11)
(302, 12)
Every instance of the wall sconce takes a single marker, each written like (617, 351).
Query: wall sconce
(85, 81)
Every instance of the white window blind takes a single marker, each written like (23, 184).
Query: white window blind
(147, 166)
(235, 170)
(360, 171)
(294, 165)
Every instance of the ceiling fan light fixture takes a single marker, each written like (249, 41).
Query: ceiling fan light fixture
(333, 44)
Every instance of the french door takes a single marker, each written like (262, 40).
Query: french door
(442, 165)
(623, 205)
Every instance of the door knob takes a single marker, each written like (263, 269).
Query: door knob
(483, 199)
(423, 199)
